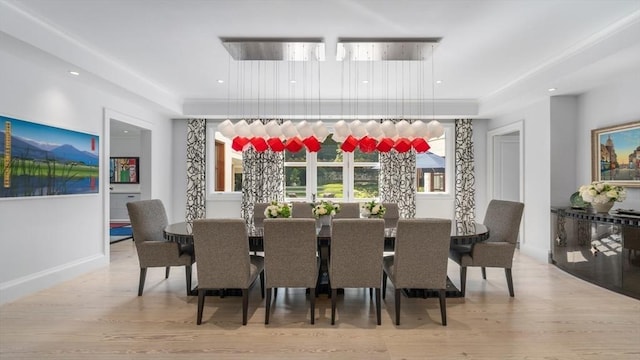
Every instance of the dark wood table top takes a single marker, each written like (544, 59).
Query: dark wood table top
(461, 234)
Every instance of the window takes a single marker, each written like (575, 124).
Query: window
(434, 168)
(295, 174)
(334, 174)
(226, 173)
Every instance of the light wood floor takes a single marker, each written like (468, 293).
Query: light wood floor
(99, 316)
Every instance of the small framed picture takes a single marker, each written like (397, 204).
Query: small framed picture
(124, 170)
(615, 154)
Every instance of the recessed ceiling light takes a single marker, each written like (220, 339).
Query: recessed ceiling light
(365, 81)
(220, 81)
(74, 73)
(552, 89)
(292, 81)
(438, 81)
(125, 131)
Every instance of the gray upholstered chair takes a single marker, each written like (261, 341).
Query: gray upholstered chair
(301, 209)
(290, 258)
(420, 259)
(148, 220)
(391, 215)
(258, 213)
(222, 249)
(503, 221)
(356, 257)
(349, 210)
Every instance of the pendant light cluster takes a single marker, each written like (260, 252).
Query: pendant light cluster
(274, 136)
(368, 137)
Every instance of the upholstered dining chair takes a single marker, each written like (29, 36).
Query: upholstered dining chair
(222, 248)
(301, 209)
(258, 213)
(503, 221)
(290, 259)
(148, 220)
(391, 215)
(356, 258)
(348, 210)
(420, 260)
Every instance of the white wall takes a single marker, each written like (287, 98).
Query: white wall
(46, 240)
(557, 155)
(564, 122)
(614, 104)
(536, 141)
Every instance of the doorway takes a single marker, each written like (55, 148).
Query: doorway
(130, 138)
(505, 170)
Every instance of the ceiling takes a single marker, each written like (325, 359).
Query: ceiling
(491, 53)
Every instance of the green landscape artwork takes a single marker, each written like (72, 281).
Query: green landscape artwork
(41, 160)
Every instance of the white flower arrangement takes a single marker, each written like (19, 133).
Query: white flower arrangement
(277, 210)
(372, 209)
(325, 207)
(600, 192)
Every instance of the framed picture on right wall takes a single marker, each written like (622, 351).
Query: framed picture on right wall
(615, 154)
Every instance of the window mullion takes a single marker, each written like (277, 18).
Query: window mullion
(312, 175)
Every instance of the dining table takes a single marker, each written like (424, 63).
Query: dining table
(462, 234)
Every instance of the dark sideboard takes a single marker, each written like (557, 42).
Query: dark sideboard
(600, 248)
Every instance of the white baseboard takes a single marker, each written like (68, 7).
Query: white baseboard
(26, 285)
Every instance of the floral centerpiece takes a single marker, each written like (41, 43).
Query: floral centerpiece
(277, 210)
(372, 209)
(325, 207)
(602, 195)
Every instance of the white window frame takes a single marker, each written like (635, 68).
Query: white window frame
(449, 171)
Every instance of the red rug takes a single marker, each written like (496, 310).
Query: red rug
(113, 225)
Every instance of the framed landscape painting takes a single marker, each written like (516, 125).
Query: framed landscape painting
(42, 160)
(615, 154)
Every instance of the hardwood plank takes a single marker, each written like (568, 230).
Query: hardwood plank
(99, 316)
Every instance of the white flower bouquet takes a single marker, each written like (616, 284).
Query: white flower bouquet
(325, 207)
(277, 210)
(372, 209)
(600, 192)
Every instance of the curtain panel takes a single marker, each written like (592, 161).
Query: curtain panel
(397, 180)
(465, 205)
(196, 169)
(262, 178)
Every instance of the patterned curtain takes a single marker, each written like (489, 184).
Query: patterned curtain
(398, 181)
(262, 178)
(465, 205)
(196, 168)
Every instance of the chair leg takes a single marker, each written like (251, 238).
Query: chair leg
(370, 293)
(398, 306)
(187, 271)
(312, 299)
(245, 305)
(143, 276)
(463, 280)
(378, 307)
(267, 306)
(507, 272)
(384, 285)
(262, 283)
(166, 272)
(201, 294)
(334, 296)
(484, 273)
(443, 306)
